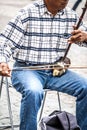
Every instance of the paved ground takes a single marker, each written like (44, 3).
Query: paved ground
(8, 9)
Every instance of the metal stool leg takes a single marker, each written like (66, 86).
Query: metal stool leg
(43, 103)
(1, 82)
(45, 93)
(59, 100)
(9, 105)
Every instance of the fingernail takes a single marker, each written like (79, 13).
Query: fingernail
(6, 72)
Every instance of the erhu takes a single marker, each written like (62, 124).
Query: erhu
(63, 59)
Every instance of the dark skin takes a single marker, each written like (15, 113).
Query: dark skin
(53, 6)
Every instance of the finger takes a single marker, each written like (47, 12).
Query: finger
(75, 38)
(0, 69)
(74, 27)
(74, 32)
(5, 68)
(5, 74)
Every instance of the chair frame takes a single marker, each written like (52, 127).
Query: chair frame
(43, 102)
(9, 102)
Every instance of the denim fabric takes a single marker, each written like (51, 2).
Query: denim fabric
(30, 84)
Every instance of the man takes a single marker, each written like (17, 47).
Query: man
(39, 35)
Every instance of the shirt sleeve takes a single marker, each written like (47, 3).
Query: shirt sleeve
(11, 38)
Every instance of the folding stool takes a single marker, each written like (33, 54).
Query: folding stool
(9, 103)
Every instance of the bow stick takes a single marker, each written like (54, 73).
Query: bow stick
(78, 24)
(47, 67)
(58, 66)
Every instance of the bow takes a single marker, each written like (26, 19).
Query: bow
(78, 24)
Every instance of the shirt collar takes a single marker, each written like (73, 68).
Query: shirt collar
(44, 10)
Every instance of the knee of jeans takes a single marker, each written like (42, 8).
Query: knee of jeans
(84, 86)
(33, 92)
(82, 92)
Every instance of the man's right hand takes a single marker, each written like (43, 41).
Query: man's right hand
(5, 70)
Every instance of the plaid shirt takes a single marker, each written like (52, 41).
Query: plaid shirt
(37, 37)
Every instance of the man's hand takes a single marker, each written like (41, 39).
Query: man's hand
(4, 69)
(77, 36)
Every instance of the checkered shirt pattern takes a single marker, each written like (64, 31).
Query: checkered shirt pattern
(37, 37)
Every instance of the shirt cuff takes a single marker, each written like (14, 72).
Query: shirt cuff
(82, 44)
(2, 59)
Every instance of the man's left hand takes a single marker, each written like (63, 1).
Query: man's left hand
(78, 36)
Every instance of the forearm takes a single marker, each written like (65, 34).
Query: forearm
(5, 51)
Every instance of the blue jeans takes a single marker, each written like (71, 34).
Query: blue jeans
(30, 84)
